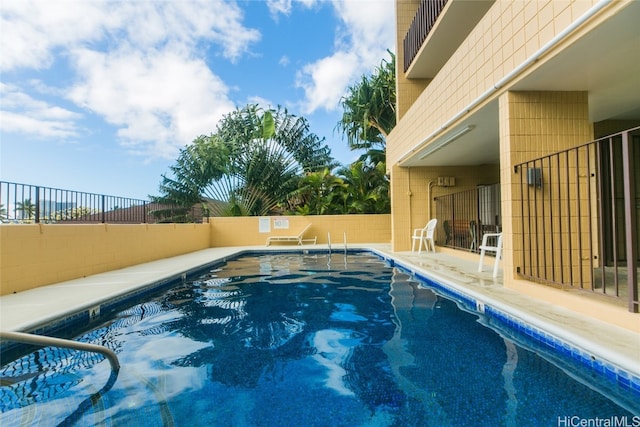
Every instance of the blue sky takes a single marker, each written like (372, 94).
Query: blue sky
(99, 96)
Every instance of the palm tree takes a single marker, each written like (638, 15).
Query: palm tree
(367, 188)
(319, 193)
(249, 166)
(27, 209)
(197, 165)
(3, 212)
(370, 110)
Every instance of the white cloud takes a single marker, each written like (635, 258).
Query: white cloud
(277, 7)
(159, 100)
(38, 127)
(262, 102)
(139, 65)
(181, 23)
(310, 3)
(367, 31)
(324, 81)
(284, 61)
(284, 7)
(33, 31)
(20, 113)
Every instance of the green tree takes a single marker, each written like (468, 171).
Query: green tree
(3, 212)
(72, 213)
(250, 165)
(27, 209)
(319, 193)
(369, 115)
(367, 188)
(197, 165)
(370, 111)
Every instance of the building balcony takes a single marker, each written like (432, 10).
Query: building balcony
(437, 30)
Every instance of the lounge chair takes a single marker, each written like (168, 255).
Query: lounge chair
(298, 238)
(424, 235)
(497, 237)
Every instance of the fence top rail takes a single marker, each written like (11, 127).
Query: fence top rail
(469, 190)
(577, 147)
(18, 184)
(27, 203)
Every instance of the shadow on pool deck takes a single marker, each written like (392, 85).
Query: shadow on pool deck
(27, 310)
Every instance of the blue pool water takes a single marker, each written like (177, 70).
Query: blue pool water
(303, 340)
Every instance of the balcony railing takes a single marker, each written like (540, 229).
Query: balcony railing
(422, 23)
(24, 203)
(579, 210)
(467, 215)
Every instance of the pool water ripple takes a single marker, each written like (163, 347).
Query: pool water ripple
(323, 341)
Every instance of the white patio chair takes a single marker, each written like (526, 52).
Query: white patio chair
(473, 235)
(497, 238)
(424, 235)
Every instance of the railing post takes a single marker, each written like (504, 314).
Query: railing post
(104, 207)
(630, 221)
(423, 21)
(37, 219)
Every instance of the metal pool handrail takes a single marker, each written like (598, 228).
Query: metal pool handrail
(43, 341)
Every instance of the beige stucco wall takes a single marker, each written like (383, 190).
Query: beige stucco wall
(33, 255)
(245, 231)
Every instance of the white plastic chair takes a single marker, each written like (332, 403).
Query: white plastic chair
(497, 237)
(424, 235)
(473, 235)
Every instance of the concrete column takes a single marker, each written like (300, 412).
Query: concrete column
(533, 124)
(401, 206)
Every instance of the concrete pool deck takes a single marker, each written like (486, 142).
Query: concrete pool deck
(34, 308)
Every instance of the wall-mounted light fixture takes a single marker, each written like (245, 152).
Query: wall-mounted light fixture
(431, 148)
(534, 177)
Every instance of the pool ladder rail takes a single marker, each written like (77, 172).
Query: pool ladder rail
(45, 341)
(329, 242)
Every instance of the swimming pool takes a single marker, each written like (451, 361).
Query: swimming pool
(306, 339)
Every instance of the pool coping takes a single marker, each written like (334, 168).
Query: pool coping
(607, 349)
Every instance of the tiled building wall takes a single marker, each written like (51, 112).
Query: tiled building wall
(415, 188)
(509, 33)
(401, 208)
(534, 124)
(407, 91)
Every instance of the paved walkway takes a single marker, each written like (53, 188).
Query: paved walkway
(27, 310)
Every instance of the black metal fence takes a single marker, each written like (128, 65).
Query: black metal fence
(467, 215)
(24, 203)
(423, 21)
(579, 211)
